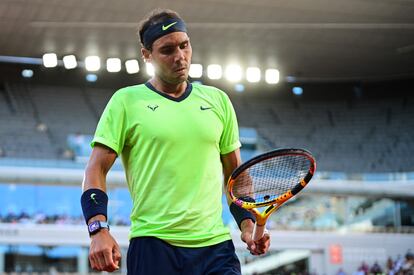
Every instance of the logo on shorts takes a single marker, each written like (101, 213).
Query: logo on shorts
(152, 107)
(164, 28)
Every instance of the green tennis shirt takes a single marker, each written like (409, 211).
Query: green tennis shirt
(171, 148)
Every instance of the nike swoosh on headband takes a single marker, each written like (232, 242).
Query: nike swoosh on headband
(164, 28)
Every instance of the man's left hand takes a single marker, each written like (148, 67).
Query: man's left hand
(259, 247)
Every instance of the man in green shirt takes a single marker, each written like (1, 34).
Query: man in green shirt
(176, 141)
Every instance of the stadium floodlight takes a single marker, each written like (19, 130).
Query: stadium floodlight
(132, 66)
(272, 76)
(69, 61)
(27, 73)
(196, 70)
(253, 74)
(150, 69)
(50, 60)
(233, 73)
(113, 65)
(92, 63)
(214, 71)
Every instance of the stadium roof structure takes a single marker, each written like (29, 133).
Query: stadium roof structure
(320, 40)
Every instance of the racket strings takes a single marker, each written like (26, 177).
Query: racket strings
(270, 178)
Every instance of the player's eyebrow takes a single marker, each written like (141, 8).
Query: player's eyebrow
(171, 45)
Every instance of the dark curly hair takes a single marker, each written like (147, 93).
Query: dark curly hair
(154, 17)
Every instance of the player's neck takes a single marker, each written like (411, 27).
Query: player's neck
(174, 90)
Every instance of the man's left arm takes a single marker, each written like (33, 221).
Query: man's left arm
(231, 161)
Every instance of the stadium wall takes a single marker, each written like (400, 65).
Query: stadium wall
(328, 251)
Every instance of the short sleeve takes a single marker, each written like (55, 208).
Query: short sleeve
(111, 127)
(229, 140)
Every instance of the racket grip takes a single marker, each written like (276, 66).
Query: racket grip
(258, 231)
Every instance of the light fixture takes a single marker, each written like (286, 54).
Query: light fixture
(272, 76)
(132, 66)
(50, 60)
(69, 61)
(92, 63)
(214, 71)
(233, 73)
(113, 65)
(27, 73)
(239, 88)
(91, 77)
(196, 70)
(297, 91)
(253, 74)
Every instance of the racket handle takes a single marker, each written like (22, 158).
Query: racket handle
(258, 231)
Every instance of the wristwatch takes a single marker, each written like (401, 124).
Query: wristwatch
(96, 226)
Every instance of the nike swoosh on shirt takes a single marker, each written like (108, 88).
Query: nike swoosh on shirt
(164, 28)
(205, 108)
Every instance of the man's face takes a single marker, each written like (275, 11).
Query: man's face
(171, 57)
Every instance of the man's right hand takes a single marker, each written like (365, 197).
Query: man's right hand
(259, 247)
(104, 252)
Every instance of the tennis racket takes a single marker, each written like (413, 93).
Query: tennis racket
(270, 179)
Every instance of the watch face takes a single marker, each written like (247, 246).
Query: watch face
(94, 226)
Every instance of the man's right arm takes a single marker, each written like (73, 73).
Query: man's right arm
(104, 253)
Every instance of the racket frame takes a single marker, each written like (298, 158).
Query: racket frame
(274, 204)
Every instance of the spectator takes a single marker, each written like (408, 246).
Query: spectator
(408, 265)
(398, 264)
(341, 272)
(390, 266)
(360, 271)
(68, 154)
(365, 267)
(41, 127)
(376, 268)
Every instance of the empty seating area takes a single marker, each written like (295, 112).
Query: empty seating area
(20, 134)
(36, 120)
(362, 135)
(358, 136)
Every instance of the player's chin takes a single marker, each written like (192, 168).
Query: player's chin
(180, 79)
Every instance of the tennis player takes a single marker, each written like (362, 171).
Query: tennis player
(176, 140)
